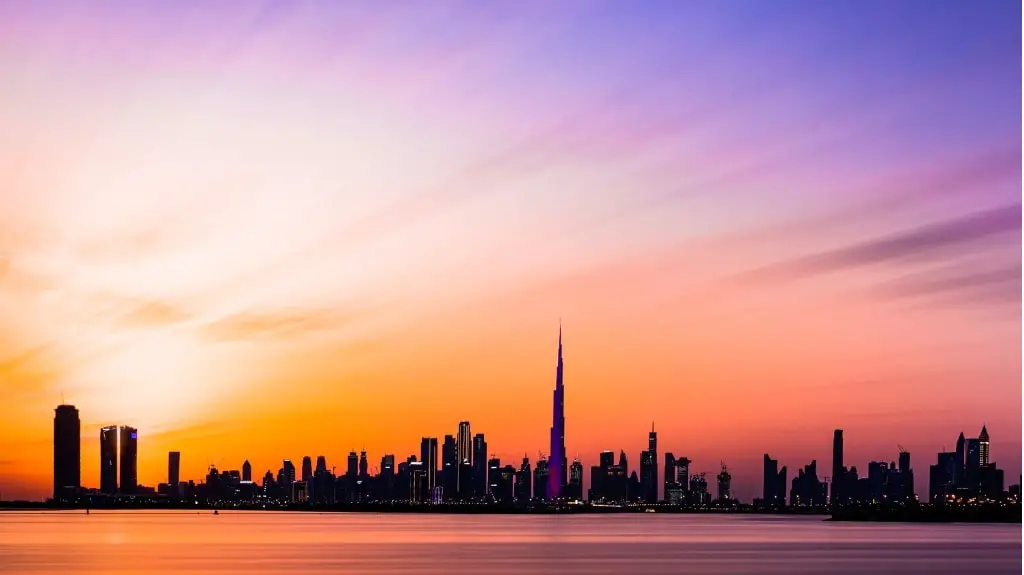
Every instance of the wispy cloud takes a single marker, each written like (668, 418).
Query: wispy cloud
(273, 324)
(993, 286)
(941, 240)
(154, 313)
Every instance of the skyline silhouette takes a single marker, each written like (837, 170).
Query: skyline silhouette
(270, 229)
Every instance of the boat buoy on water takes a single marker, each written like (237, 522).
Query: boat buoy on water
(215, 512)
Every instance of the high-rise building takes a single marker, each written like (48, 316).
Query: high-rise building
(129, 459)
(960, 464)
(307, 468)
(770, 488)
(464, 443)
(669, 473)
(524, 481)
(649, 469)
(574, 490)
(724, 484)
(973, 462)
(386, 482)
(364, 465)
(174, 468)
(449, 468)
(983, 444)
(683, 472)
(557, 459)
(108, 460)
(941, 475)
(428, 455)
(353, 464)
(480, 465)
(494, 486)
(246, 471)
(67, 452)
(838, 472)
(540, 480)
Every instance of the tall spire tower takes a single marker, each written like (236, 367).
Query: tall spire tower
(557, 470)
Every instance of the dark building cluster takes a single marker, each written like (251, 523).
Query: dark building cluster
(458, 469)
(966, 474)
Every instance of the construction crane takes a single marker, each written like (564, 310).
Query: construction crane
(900, 447)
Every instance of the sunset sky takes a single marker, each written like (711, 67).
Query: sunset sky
(263, 230)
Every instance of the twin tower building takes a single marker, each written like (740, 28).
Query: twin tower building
(67, 456)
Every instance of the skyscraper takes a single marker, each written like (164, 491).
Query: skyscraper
(364, 465)
(837, 467)
(983, 444)
(724, 484)
(67, 452)
(428, 455)
(524, 481)
(480, 466)
(174, 468)
(307, 468)
(973, 462)
(557, 460)
(464, 443)
(449, 467)
(960, 464)
(770, 488)
(108, 460)
(129, 459)
(352, 468)
(246, 471)
(649, 469)
(669, 473)
(574, 489)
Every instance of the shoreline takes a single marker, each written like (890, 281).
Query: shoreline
(1010, 514)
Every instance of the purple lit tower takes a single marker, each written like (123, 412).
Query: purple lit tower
(556, 459)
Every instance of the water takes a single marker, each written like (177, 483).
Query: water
(312, 543)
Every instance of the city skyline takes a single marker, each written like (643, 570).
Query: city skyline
(468, 471)
(283, 229)
(121, 444)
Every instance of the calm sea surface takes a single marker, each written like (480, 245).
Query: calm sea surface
(311, 543)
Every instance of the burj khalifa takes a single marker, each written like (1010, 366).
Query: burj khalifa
(557, 468)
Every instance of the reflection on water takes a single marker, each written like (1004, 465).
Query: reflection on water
(315, 543)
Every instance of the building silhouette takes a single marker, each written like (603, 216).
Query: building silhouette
(557, 458)
(307, 468)
(464, 443)
(524, 481)
(108, 460)
(960, 461)
(724, 484)
(574, 490)
(428, 455)
(807, 489)
(449, 468)
(129, 459)
(773, 491)
(352, 467)
(541, 483)
(983, 446)
(67, 452)
(838, 472)
(480, 466)
(174, 468)
(246, 471)
(649, 469)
